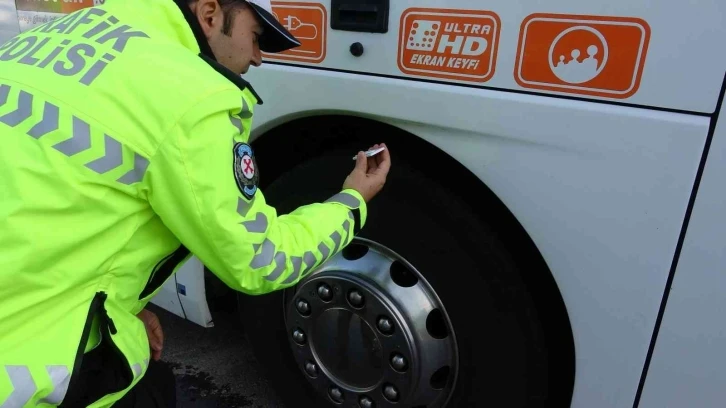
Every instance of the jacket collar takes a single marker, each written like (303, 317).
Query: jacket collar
(191, 20)
(205, 51)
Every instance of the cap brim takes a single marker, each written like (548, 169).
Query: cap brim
(275, 37)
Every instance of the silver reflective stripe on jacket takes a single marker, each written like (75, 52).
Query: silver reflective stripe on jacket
(24, 386)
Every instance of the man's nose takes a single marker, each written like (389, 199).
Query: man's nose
(257, 58)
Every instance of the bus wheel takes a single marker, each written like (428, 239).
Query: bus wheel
(424, 309)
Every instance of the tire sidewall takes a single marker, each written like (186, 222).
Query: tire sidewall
(475, 278)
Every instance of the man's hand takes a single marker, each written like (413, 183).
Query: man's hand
(369, 174)
(154, 332)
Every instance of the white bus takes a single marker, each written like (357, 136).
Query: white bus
(552, 230)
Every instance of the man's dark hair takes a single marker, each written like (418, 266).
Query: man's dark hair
(230, 8)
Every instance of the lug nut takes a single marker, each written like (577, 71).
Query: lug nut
(299, 336)
(390, 392)
(366, 402)
(303, 307)
(325, 292)
(399, 363)
(385, 325)
(311, 368)
(336, 394)
(355, 298)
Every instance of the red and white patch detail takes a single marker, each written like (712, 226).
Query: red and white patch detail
(248, 167)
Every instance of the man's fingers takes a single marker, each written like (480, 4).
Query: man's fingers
(383, 155)
(372, 165)
(384, 161)
(361, 164)
(157, 334)
(158, 337)
(374, 162)
(157, 344)
(153, 332)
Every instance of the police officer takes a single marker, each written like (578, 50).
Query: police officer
(124, 131)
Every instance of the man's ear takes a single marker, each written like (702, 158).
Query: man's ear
(209, 15)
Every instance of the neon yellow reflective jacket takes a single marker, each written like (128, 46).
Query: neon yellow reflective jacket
(124, 149)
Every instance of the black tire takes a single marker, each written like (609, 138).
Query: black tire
(502, 352)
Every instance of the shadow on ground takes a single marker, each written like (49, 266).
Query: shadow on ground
(214, 367)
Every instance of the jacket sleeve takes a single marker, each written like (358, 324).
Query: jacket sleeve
(223, 219)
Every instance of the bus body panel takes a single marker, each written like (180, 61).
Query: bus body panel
(687, 368)
(680, 42)
(601, 189)
(8, 20)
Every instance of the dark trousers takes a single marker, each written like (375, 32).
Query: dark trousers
(157, 389)
(103, 372)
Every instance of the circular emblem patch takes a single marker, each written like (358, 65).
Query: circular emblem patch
(245, 170)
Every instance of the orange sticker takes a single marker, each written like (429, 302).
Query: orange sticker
(65, 7)
(599, 56)
(70, 6)
(451, 44)
(308, 23)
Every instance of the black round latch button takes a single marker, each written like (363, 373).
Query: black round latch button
(356, 49)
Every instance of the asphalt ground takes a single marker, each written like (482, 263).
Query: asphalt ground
(214, 367)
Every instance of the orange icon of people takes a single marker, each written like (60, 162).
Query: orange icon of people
(599, 56)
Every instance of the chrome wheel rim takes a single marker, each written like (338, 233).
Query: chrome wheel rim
(367, 330)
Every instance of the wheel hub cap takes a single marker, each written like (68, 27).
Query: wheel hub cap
(348, 348)
(367, 329)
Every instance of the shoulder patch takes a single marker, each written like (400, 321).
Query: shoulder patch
(245, 170)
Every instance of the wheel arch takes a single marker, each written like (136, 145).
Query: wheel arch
(282, 145)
